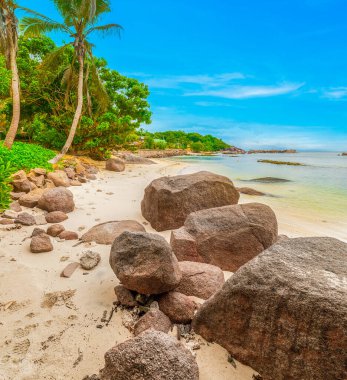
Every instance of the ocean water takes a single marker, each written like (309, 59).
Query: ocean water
(315, 193)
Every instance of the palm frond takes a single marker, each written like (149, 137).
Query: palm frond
(42, 17)
(35, 27)
(106, 29)
(98, 89)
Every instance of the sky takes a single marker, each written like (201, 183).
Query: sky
(258, 74)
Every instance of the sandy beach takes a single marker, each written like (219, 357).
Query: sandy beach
(48, 323)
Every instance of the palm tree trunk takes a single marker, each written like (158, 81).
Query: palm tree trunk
(11, 133)
(77, 116)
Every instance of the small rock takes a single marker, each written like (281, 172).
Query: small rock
(59, 178)
(56, 217)
(39, 171)
(15, 206)
(37, 231)
(124, 296)
(115, 165)
(55, 230)
(31, 199)
(153, 319)
(69, 269)
(91, 176)
(40, 219)
(41, 243)
(16, 196)
(178, 307)
(75, 182)
(9, 214)
(6, 221)
(68, 235)
(89, 260)
(70, 172)
(25, 219)
(249, 191)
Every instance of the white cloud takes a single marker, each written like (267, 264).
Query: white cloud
(246, 92)
(336, 93)
(248, 135)
(177, 81)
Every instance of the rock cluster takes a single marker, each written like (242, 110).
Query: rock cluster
(226, 236)
(284, 313)
(38, 178)
(169, 200)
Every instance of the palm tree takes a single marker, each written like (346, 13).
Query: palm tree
(9, 47)
(80, 18)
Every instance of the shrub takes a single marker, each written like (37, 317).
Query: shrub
(21, 156)
(5, 188)
(26, 156)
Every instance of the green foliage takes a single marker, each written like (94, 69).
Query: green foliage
(182, 140)
(21, 156)
(5, 188)
(5, 77)
(48, 85)
(26, 156)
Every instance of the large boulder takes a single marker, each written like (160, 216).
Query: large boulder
(285, 312)
(57, 199)
(106, 233)
(145, 263)
(59, 178)
(226, 236)
(199, 279)
(169, 200)
(115, 165)
(152, 355)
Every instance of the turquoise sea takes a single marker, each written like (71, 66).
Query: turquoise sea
(315, 194)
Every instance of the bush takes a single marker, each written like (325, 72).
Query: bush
(5, 188)
(26, 156)
(21, 156)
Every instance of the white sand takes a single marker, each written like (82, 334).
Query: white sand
(45, 343)
(62, 342)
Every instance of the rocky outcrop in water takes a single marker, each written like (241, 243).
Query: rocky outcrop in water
(226, 236)
(169, 200)
(285, 312)
(272, 151)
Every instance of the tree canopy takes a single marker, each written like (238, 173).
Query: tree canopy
(48, 108)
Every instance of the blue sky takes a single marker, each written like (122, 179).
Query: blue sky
(259, 74)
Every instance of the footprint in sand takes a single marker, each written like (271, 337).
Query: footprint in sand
(22, 332)
(21, 348)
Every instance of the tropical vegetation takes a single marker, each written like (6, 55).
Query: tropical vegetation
(182, 140)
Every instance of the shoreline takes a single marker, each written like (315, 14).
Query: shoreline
(62, 341)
